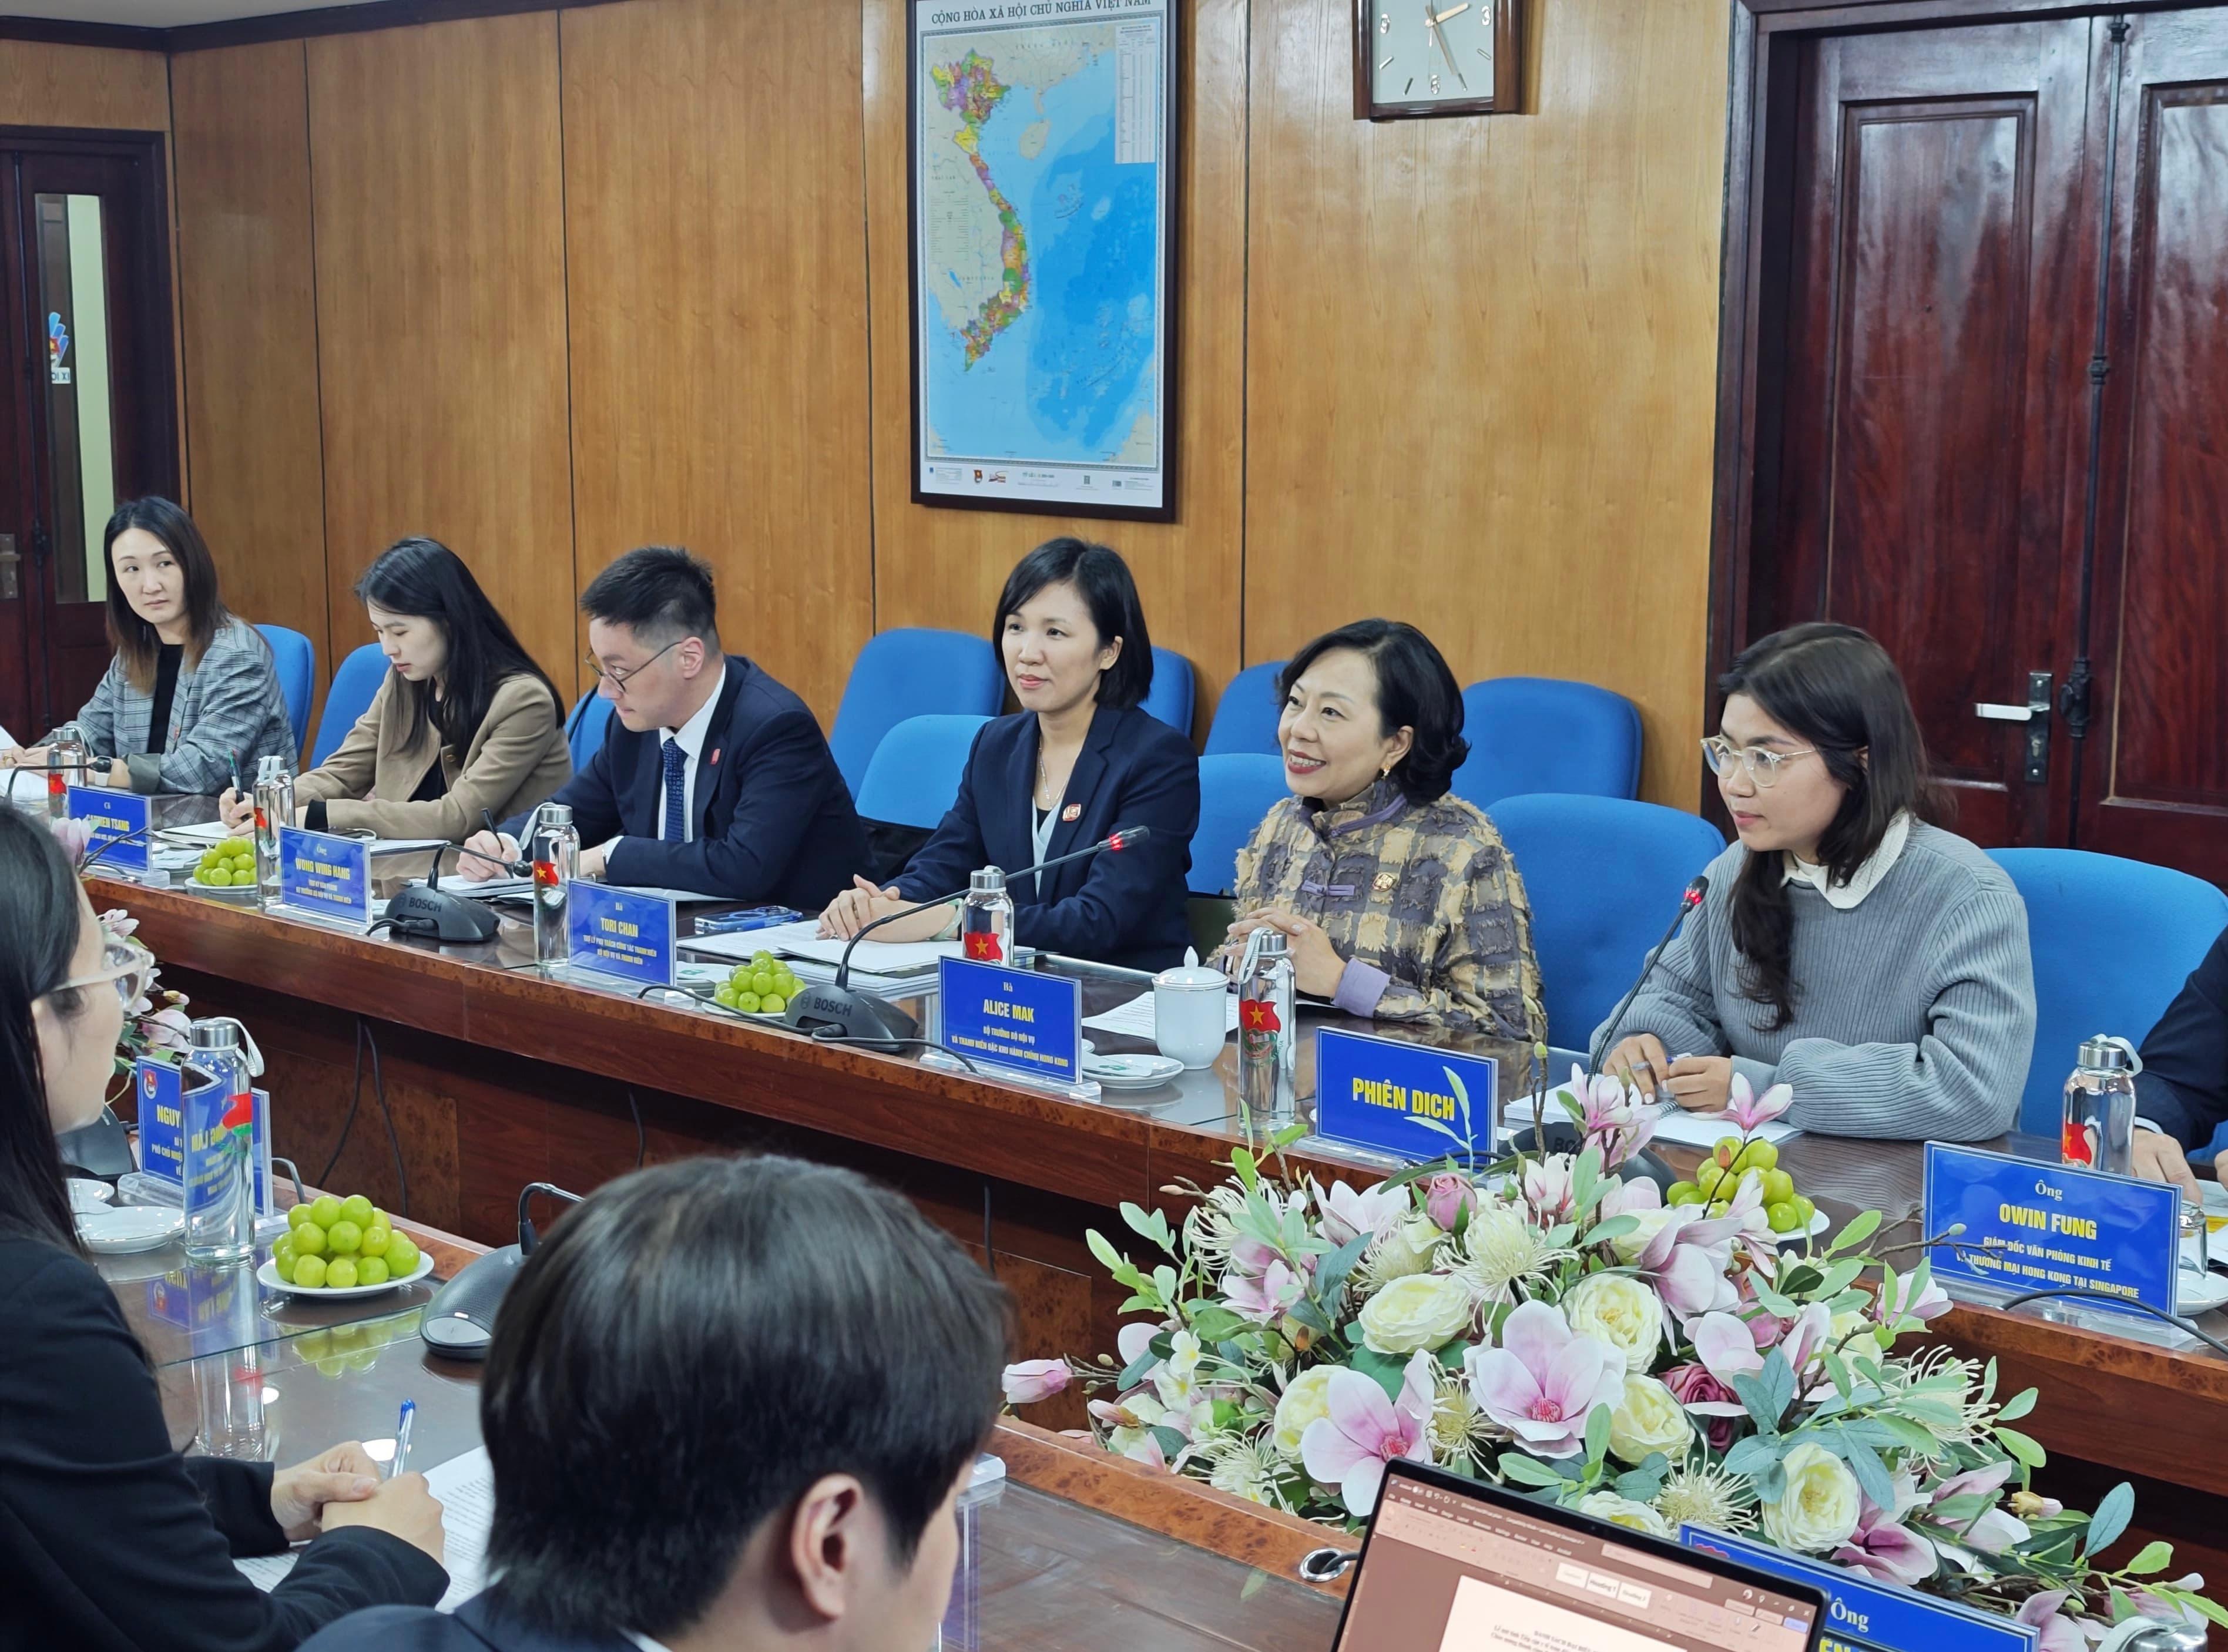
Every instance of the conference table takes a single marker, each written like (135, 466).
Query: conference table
(1074, 1550)
(473, 1073)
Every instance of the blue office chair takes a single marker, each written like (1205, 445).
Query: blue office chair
(1236, 789)
(1604, 876)
(914, 776)
(585, 728)
(295, 658)
(1534, 734)
(1170, 696)
(354, 686)
(2113, 941)
(911, 672)
(1246, 716)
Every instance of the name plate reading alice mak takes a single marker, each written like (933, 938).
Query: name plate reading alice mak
(1015, 1019)
(620, 934)
(323, 876)
(1410, 1100)
(2029, 1224)
(116, 815)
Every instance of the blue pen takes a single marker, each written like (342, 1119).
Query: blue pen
(402, 1439)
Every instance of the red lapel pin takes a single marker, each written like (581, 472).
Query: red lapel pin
(715, 758)
(1072, 813)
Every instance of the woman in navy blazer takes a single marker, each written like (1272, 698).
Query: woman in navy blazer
(1079, 759)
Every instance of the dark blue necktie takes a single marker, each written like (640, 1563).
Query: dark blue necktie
(676, 805)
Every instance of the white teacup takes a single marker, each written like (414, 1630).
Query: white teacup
(1191, 1017)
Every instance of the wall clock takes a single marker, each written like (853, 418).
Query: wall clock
(1436, 57)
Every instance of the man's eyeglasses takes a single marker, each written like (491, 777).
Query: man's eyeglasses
(1761, 762)
(123, 966)
(620, 679)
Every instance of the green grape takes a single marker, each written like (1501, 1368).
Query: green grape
(371, 1271)
(283, 1265)
(343, 1237)
(772, 1003)
(1784, 1218)
(326, 1210)
(762, 983)
(376, 1239)
(401, 1256)
(749, 1003)
(340, 1273)
(297, 1215)
(243, 878)
(310, 1271)
(309, 1239)
(356, 1208)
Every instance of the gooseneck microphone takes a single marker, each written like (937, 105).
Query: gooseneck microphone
(431, 912)
(1687, 902)
(836, 1011)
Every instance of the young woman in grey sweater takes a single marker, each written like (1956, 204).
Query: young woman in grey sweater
(1874, 963)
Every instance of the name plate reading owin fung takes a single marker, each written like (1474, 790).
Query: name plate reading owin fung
(1410, 1100)
(116, 817)
(325, 877)
(620, 934)
(1862, 1616)
(2029, 1224)
(1015, 1019)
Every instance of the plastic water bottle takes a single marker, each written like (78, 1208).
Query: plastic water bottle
(274, 808)
(67, 753)
(556, 852)
(1265, 1029)
(220, 1166)
(986, 918)
(2099, 1131)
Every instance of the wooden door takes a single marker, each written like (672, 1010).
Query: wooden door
(2155, 776)
(1936, 314)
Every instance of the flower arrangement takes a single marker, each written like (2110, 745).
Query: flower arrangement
(1556, 1327)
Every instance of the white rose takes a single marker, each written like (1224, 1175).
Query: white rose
(1649, 1417)
(1425, 1310)
(1307, 1398)
(1652, 1222)
(1404, 1249)
(1623, 1511)
(1623, 1312)
(1817, 1510)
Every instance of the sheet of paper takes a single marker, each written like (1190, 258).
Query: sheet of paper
(1135, 1019)
(802, 941)
(465, 1489)
(522, 889)
(1676, 1125)
(7, 742)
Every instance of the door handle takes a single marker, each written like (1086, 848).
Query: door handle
(2005, 713)
(2036, 715)
(10, 558)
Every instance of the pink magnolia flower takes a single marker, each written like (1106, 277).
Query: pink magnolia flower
(1751, 1111)
(1263, 1297)
(1711, 1402)
(76, 838)
(120, 923)
(1727, 1349)
(1931, 1304)
(1346, 1215)
(1365, 1431)
(1690, 1258)
(1997, 1529)
(1034, 1379)
(1548, 1187)
(1133, 1339)
(169, 1028)
(1630, 1198)
(1883, 1547)
(1446, 1195)
(2059, 1632)
(1543, 1381)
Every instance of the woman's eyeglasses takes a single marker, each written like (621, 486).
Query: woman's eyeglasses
(123, 966)
(1760, 763)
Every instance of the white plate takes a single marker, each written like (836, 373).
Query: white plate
(129, 1227)
(86, 1195)
(2198, 1294)
(1819, 1223)
(267, 1276)
(1131, 1072)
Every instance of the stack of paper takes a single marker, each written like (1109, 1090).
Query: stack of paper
(464, 1486)
(1673, 1123)
(801, 942)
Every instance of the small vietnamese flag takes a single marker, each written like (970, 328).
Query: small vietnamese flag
(239, 1112)
(984, 947)
(1258, 1016)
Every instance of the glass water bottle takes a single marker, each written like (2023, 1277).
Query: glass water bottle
(274, 807)
(220, 1166)
(1265, 1029)
(67, 753)
(555, 851)
(986, 919)
(2099, 1130)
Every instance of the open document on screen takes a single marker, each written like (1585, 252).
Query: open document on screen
(1449, 1569)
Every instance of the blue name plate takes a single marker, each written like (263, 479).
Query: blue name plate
(167, 1108)
(325, 877)
(2031, 1225)
(620, 934)
(1386, 1095)
(1012, 1018)
(1862, 1616)
(115, 816)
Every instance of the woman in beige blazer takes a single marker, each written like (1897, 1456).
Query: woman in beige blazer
(465, 723)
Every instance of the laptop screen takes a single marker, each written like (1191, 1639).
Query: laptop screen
(1450, 1569)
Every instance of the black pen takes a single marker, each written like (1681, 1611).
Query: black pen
(236, 791)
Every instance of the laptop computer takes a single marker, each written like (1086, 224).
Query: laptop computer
(1451, 1565)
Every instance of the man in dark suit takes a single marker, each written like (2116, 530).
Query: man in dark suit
(712, 777)
(2182, 1092)
(731, 1403)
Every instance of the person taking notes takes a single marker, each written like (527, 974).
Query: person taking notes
(464, 721)
(2181, 1094)
(1081, 758)
(712, 777)
(110, 1541)
(1876, 963)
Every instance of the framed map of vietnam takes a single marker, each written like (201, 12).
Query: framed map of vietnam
(1043, 171)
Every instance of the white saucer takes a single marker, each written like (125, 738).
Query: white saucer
(86, 1195)
(2198, 1294)
(1131, 1072)
(267, 1276)
(129, 1227)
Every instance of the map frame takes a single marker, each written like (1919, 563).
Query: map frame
(958, 489)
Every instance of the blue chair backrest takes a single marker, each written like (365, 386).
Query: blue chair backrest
(911, 672)
(1246, 716)
(586, 727)
(2113, 941)
(1603, 876)
(1236, 789)
(354, 685)
(1170, 696)
(1532, 734)
(295, 658)
(915, 774)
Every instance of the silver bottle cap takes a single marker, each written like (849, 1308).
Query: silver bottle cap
(990, 880)
(2101, 1054)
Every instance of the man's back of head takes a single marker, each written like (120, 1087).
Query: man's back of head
(730, 1402)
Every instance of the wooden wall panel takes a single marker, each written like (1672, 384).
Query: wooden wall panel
(45, 85)
(944, 566)
(438, 206)
(715, 244)
(250, 344)
(1481, 358)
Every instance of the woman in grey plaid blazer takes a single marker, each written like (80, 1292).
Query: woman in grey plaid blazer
(225, 703)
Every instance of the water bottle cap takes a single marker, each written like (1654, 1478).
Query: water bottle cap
(990, 880)
(556, 814)
(2105, 1054)
(223, 1033)
(1272, 943)
(272, 766)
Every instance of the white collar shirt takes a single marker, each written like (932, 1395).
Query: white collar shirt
(1842, 897)
(691, 736)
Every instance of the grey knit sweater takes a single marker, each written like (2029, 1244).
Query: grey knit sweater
(1914, 1010)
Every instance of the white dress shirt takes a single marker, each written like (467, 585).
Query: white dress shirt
(691, 735)
(644, 1642)
(1866, 879)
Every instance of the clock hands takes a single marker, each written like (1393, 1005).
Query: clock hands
(1433, 20)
